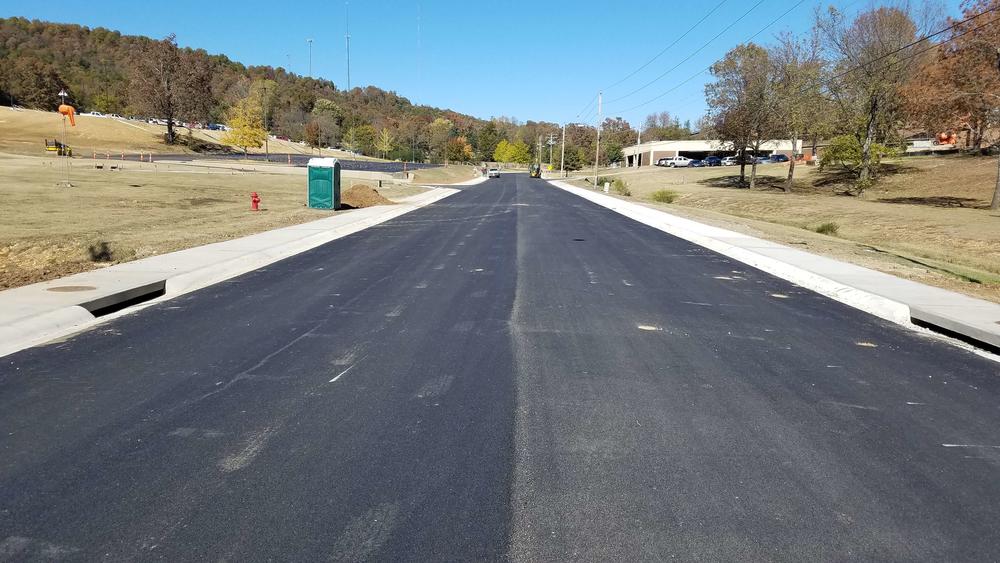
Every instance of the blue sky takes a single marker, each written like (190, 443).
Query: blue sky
(530, 60)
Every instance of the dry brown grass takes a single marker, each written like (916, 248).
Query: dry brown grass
(142, 211)
(441, 175)
(24, 132)
(926, 220)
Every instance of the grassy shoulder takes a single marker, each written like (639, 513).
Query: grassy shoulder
(116, 216)
(926, 220)
(441, 175)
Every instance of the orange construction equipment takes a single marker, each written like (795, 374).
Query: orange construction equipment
(68, 111)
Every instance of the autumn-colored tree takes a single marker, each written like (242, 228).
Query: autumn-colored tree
(958, 88)
(874, 54)
(744, 101)
(798, 70)
(246, 125)
(166, 82)
(459, 150)
(311, 132)
(33, 83)
(385, 141)
(440, 132)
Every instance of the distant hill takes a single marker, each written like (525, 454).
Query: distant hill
(95, 66)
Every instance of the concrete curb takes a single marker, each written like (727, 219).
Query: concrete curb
(34, 316)
(872, 303)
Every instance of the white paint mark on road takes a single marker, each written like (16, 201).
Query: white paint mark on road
(439, 267)
(971, 446)
(341, 374)
(723, 278)
(421, 285)
(867, 344)
(254, 445)
(851, 406)
(478, 270)
(696, 303)
(626, 283)
(779, 295)
(914, 404)
(398, 310)
(648, 327)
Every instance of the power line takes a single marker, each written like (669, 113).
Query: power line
(695, 52)
(668, 47)
(862, 65)
(592, 100)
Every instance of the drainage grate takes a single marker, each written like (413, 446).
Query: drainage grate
(118, 301)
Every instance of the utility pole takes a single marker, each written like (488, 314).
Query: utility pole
(562, 159)
(597, 156)
(995, 204)
(539, 152)
(551, 142)
(310, 42)
(347, 8)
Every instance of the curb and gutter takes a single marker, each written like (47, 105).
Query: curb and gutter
(40, 312)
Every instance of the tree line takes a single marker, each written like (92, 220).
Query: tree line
(862, 84)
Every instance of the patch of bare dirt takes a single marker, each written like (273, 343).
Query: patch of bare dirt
(360, 195)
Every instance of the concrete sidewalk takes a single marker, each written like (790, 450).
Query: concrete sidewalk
(36, 313)
(895, 299)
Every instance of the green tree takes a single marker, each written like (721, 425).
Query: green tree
(361, 139)
(520, 153)
(486, 141)
(503, 152)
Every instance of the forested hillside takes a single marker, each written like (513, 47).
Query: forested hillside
(106, 71)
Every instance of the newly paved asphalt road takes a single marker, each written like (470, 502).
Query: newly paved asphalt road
(512, 373)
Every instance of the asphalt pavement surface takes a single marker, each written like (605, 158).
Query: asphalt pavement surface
(510, 373)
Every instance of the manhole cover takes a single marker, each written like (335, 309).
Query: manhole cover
(69, 288)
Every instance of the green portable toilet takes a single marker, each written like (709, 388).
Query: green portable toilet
(324, 183)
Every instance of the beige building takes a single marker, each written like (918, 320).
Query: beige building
(647, 154)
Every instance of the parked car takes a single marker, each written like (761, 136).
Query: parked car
(697, 164)
(763, 159)
(493, 173)
(94, 114)
(712, 161)
(779, 157)
(674, 161)
(730, 161)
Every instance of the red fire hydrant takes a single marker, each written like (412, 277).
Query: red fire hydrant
(254, 201)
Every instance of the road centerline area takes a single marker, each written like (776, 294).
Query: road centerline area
(519, 374)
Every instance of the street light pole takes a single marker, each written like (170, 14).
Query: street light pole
(597, 155)
(347, 8)
(310, 42)
(562, 158)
